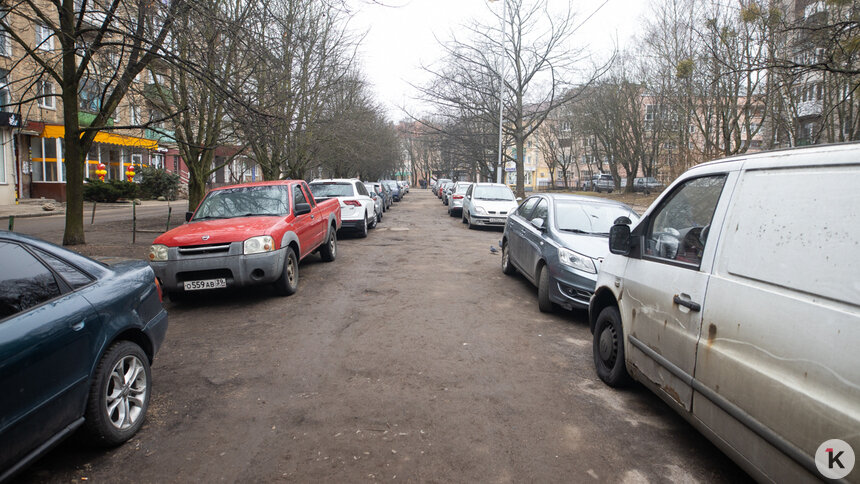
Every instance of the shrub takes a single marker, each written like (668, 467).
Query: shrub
(96, 190)
(155, 182)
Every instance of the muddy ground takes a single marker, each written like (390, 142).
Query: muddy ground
(409, 358)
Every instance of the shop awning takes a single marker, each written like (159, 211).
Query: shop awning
(53, 131)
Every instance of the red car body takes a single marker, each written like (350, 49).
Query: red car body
(213, 252)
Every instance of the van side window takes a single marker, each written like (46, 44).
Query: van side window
(679, 228)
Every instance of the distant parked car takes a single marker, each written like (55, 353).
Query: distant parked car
(603, 183)
(649, 184)
(439, 183)
(487, 204)
(77, 339)
(557, 242)
(392, 185)
(378, 201)
(446, 191)
(380, 189)
(357, 209)
(455, 205)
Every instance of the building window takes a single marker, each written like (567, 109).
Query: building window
(133, 117)
(5, 43)
(157, 161)
(46, 94)
(44, 38)
(89, 97)
(5, 96)
(3, 145)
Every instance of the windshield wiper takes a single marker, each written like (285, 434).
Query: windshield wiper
(259, 215)
(577, 231)
(211, 217)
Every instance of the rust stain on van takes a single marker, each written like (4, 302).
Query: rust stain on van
(712, 333)
(672, 393)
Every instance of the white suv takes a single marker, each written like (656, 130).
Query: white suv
(357, 209)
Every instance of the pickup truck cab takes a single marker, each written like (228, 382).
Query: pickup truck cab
(248, 234)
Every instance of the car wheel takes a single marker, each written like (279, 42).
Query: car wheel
(469, 223)
(544, 304)
(372, 224)
(363, 232)
(507, 267)
(379, 216)
(463, 216)
(608, 347)
(288, 283)
(119, 395)
(328, 251)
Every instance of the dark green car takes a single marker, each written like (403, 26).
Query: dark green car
(77, 338)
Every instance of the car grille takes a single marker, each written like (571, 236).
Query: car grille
(494, 213)
(206, 274)
(204, 249)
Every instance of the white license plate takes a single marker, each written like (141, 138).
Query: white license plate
(497, 220)
(206, 284)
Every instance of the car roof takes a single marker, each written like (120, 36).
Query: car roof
(836, 154)
(335, 180)
(582, 199)
(259, 184)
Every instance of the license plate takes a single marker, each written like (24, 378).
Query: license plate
(497, 220)
(206, 284)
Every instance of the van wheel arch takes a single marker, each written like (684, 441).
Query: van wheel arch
(602, 299)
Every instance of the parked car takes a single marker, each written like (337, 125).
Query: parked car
(487, 204)
(439, 183)
(248, 234)
(735, 299)
(455, 205)
(77, 338)
(357, 209)
(392, 185)
(603, 183)
(446, 191)
(378, 201)
(647, 184)
(404, 187)
(557, 242)
(387, 199)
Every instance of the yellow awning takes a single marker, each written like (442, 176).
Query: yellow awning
(53, 131)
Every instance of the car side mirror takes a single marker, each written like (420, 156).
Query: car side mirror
(519, 199)
(622, 220)
(619, 238)
(302, 208)
(538, 223)
(188, 216)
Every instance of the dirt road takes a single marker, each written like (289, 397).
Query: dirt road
(410, 358)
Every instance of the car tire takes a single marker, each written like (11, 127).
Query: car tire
(372, 224)
(328, 251)
(379, 216)
(363, 231)
(463, 216)
(608, 348)
(469, 223)
(288, 283)
(119, 395)
(544, 304)
(507, 267)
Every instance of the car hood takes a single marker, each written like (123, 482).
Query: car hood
(594, 246)
(218, 231)
(496, 205)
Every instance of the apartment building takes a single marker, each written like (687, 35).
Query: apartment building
(31, 119)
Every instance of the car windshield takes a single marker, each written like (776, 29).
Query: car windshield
(493, 193)
(331, 189)
(462, 188)
(390, 184)
(244, 202)
(589, 218)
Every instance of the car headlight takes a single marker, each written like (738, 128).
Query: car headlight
(257, 245)
(480, 210)
(157, 252)
(576, 260)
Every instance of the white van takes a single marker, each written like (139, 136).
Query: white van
(736, 299)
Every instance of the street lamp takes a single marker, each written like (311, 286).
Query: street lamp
(501, 89)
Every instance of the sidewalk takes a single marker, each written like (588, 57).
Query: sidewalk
(33, 207)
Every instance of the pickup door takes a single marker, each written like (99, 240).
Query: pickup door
(306, 226)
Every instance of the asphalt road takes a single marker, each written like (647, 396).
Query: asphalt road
(409, 358)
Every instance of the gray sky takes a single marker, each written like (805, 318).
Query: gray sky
(401, 36)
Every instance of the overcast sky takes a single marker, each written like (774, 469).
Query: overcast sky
(401, 34)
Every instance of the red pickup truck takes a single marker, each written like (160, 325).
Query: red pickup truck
(242, 235)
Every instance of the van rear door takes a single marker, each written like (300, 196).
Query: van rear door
(664, 290)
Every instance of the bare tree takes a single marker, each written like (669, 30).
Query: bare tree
(75, 38)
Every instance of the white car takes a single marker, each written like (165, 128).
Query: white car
(488, 204)
(357, 208)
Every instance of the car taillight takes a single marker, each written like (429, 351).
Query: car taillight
(354, 203)
(458, 197)
(158, 288)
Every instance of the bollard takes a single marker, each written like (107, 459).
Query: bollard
(133, 222)
(169, 210)
(11, 223)
(93, 218)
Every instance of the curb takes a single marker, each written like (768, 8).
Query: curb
(32, 214)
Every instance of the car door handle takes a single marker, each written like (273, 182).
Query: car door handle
(79, 326)
(312, 216)
(684, 300)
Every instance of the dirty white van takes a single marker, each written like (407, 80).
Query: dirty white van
(736, 299)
